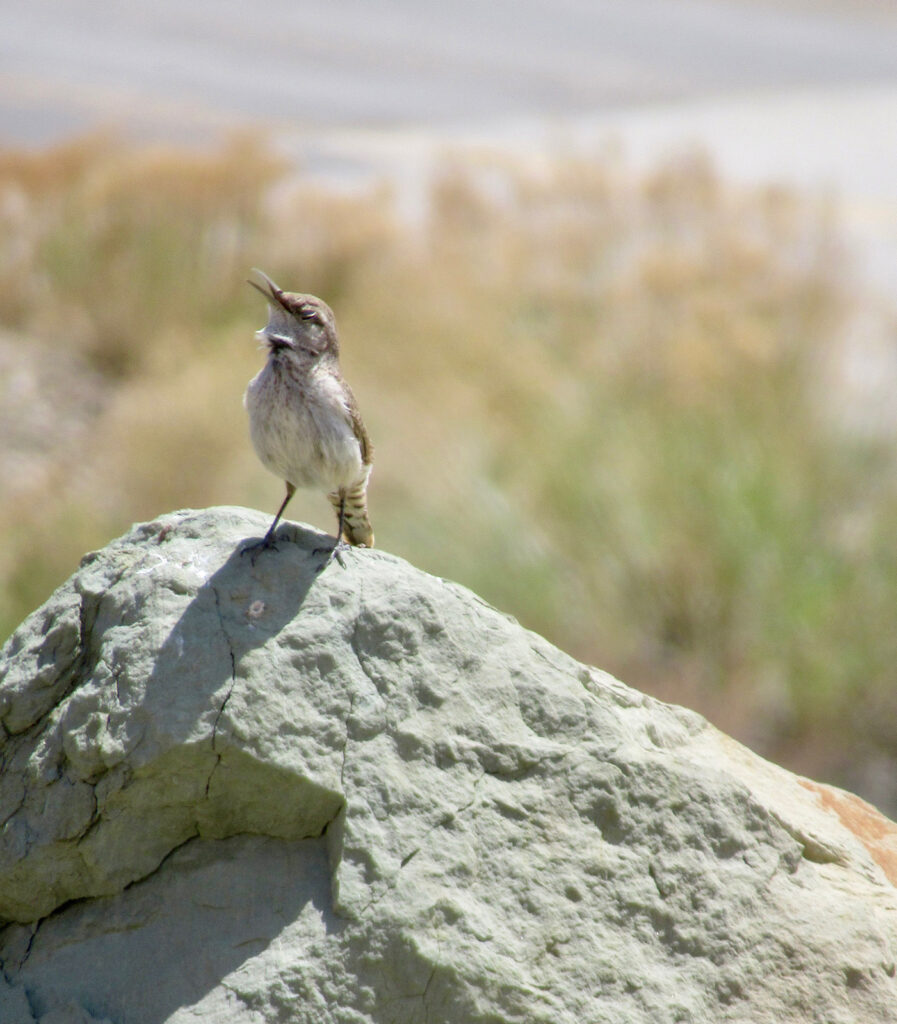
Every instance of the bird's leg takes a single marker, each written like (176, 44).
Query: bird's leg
(340, 520)
(268, 540)
(340, 526)
(339, 545)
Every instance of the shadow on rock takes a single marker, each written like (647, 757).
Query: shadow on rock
(168, 941)
(243, 604)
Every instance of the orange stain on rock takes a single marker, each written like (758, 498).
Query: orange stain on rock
(876, 832)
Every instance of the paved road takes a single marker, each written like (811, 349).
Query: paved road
(177, 69)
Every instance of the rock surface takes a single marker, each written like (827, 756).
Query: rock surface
(258, 793)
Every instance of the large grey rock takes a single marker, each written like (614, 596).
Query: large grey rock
(257, 793)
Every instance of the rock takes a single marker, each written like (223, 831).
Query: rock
(258, 792)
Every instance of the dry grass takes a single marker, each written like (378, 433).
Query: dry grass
(595, 399)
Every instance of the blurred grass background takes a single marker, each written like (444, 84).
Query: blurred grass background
(608, 404)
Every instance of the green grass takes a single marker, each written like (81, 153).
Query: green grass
(597, 399)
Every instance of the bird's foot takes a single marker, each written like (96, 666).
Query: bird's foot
(334, 551)
(257, 547)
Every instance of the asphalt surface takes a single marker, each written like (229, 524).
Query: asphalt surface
(176, 69)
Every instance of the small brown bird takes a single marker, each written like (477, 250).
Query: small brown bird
(303, 418)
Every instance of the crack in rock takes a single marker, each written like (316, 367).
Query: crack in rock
(227, 696)
(446, 819)
(342, 770)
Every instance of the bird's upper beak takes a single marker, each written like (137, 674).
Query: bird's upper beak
(270, 291)
(278, 332)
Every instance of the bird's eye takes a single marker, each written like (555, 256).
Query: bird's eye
(310, 314)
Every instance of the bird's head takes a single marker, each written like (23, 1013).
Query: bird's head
(300, 328)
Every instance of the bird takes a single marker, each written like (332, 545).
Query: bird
(304, 421)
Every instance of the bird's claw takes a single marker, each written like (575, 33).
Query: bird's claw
(256, 548)
(334, 551)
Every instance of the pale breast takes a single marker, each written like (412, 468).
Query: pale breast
(301, 429)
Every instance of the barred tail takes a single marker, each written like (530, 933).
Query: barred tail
(356, 524)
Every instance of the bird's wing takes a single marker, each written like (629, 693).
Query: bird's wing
(367, 449)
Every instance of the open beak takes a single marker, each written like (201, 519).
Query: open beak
(271, 291)
(276, 334)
